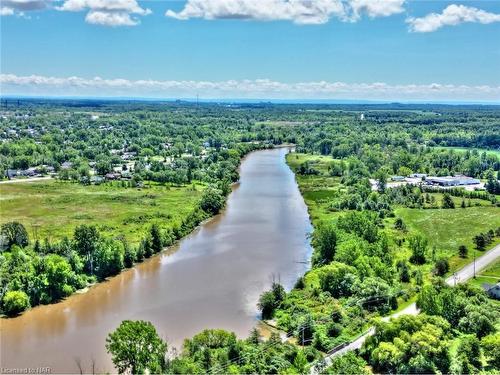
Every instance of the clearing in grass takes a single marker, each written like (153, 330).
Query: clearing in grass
(52, 209)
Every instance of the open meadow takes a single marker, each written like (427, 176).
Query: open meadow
(490, 275)
(448, 229)
(52, 209)
(465, 149)
(445, 229)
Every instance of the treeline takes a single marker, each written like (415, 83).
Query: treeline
(460, 317)
(137, 348)
(45, 272)
(170, 142)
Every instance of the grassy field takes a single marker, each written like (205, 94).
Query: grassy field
(317, 190)
(53, 208)
(464, 149)
(448, 229)
(490, 275)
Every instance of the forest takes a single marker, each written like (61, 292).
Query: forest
(377, 246)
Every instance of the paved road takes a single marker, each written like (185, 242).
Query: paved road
(460, 276)
(32, 179)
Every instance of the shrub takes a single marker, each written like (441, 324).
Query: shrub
(448, 201)
(15, 234)
(212, 201)
(418, 246)
(441, 267)
(399, 224)
(15, 302)
(267, 304)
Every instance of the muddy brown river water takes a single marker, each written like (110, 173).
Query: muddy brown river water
(212, 279)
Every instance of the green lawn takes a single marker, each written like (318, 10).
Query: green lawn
(448, 229)
(490, 275)
(464, 149)
(55, 208)
(445, 229)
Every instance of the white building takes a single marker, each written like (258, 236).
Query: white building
(452, 181)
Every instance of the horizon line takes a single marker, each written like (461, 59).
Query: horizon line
(250, 100)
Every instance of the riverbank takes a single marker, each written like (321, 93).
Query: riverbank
(366, 248)
(124, 225)
(211, 279)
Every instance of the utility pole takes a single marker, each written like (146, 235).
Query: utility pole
(474, 265)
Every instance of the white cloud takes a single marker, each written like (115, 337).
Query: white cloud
(297, 11)
(12, 84)
(110, 18)
(452, 15)
(18, 7)
(107, 12)
(6, 11)
(376, 8)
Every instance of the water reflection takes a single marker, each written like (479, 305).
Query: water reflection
(212, 280)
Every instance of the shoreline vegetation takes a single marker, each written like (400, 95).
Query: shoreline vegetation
(376, 248)
(296, 339)
(207, 205)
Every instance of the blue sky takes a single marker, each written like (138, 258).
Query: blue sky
(413, 50)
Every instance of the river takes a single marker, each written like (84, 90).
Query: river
(212, 279)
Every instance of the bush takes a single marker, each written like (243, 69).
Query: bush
(212, 201)
(15, 302)
(15, 233)
(267, 304)
(399, 224)
(325, 242)
(448, 201)
(418, 246)
(441, 267)
(270, 300)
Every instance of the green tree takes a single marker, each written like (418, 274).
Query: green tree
(468, 355)
(491, 349)
(300, 362)
(279, 292)
(441, 267)
(325, 242)
(399, 224)
(15, 302)
(463, 251)
(14, 233)
(86, 239)
(381, 177)
(212, 201)
(59, 276)
(109, 258)
(156, 240)
(129, 255)
(418, 246)
(348, 364)
(480, 241)
(145, 248)
(447, 201)
(270, 300)
(337, 278)
(267, 304)
(135, 347)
